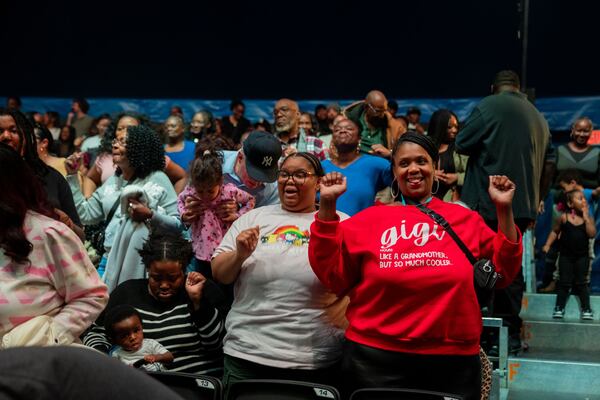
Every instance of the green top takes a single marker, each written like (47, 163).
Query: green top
(368, 136)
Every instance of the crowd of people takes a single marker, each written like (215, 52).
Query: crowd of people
(302, 249)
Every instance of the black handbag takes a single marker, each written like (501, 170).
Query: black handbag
(484, 271)
(95, 233)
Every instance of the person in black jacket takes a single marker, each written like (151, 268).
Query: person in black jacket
(506, 134)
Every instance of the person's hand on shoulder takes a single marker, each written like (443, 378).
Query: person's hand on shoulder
(501, 190)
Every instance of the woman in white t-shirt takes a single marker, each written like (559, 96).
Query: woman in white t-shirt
(283, 323)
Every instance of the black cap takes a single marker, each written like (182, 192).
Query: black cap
(262, 151)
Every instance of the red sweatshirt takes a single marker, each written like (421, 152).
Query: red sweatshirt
(410, 286)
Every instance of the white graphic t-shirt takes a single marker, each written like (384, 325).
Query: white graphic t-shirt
(278, 316)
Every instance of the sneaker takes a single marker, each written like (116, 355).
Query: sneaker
(558, 313)
(587, 315)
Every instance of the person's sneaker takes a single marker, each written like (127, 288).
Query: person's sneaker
(587, 315)
(558, 313)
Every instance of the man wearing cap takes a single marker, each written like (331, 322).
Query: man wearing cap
(378, 129)
(292, 137)
(253, 169)
(506, 135)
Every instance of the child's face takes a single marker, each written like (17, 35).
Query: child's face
(577, 201)
(207, 193)
(128, 333)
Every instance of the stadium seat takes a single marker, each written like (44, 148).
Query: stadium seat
(191, 386)
(270, 389)
(401, 394)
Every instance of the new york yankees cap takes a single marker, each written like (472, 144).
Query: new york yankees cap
(262, 151)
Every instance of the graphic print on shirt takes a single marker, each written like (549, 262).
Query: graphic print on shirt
(415, 236)
(290, 235)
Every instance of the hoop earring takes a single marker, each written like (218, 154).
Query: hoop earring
(394, 195)
(437, 188)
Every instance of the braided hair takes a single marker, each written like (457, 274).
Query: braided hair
(163, 245)
(424, 141)
(312, 160)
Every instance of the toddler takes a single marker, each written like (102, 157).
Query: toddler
(575, 227)
(124, 328)
(203, 204)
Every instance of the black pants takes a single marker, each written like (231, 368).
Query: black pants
(507, 301)
(573, 273)
(368, 367)
(237, 369)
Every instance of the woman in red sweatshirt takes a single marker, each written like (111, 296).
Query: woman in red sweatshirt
(414, 317)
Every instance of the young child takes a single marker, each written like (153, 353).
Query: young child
(569, 179)
(575, 227)
(203, 204)
(124, 328)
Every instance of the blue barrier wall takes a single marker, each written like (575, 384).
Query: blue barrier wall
(559, 111)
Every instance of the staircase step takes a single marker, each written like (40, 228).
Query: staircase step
(534, 395)
(539, 306)
(562, 334)
(555, 372)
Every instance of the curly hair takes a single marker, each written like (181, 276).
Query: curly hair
(163, 245)
(21, 191)
(110, 134)
(144, 151)
(206, 169)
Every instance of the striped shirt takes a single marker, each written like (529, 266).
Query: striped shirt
(194, 337)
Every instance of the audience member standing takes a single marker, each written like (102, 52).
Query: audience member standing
(253, 169)
(233, 126)
(180, 151)
(78, 117)
(366, 174)
(45, 273)
(294, 138)
(450, 171)
(378, 129)
(505, 134)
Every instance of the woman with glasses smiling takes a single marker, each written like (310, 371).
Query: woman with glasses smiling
(139, 196)
(281, 324)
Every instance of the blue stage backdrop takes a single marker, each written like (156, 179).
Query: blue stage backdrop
(559, 111)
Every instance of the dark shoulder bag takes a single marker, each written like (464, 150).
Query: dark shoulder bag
(96, 233)
(484, 271)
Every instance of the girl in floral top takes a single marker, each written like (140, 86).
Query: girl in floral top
(199, 206)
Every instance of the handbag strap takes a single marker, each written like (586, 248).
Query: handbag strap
(441, 221)
(113, 210)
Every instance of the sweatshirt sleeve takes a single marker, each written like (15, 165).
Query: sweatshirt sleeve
(90, 211)
(329, 257)
(76, 281)
(210, 317)
(506, 255)
(166, 216)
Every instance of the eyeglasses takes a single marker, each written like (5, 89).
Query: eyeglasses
(299, 177)
(120, 142)
(377, 110)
